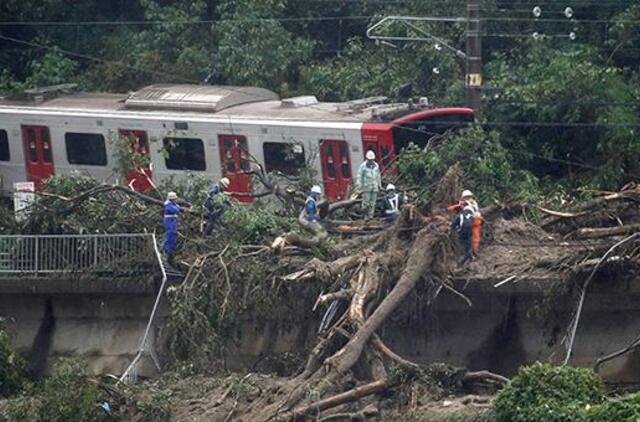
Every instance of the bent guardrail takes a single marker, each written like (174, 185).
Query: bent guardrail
(94, 253)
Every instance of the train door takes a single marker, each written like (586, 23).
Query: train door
(236, 165)
(378, 137)
(139, 177)
(336, 168)
(38, 154)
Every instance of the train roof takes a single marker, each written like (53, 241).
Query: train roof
(183, 101)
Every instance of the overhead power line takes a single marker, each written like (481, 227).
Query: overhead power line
(184, 79)
(181, 22)
(433, 19)
(485, 124)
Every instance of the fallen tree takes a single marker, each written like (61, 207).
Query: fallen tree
(416, 248)
(365, 275)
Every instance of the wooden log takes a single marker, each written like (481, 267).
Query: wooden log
(484, 376)
(594, 233)
(559, 213)
(333, 401)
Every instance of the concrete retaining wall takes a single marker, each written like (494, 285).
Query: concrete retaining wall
(104, 320)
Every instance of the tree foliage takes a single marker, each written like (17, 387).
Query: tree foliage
(590, 105)
(488, 167)
(625, 408)
(546, 392)
(12, 366)
(565, 111)
(255, 49)
(65, 395)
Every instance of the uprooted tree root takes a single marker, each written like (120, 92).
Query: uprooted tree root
(371, 282)
(366, 278)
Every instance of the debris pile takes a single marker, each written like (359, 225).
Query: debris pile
(364, 275)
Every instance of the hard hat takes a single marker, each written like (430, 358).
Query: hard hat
(370, 155)
(316, 189)
(225, 182)
(391, 186)
(172, 196)
(466, 193)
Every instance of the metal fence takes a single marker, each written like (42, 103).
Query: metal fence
(112, 253)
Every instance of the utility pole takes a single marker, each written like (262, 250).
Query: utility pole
(473, 63)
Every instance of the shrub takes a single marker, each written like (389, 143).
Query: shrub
(547, 392)
(252, 225)
(66, 395)
(12, 366)
(626, 408)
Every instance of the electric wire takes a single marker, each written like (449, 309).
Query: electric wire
(484, 124)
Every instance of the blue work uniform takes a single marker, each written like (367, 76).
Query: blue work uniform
(171, 213)
(311, 208)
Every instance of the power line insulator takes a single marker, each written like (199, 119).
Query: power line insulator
(537, 11)
(568, 13)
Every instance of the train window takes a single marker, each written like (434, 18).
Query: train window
(330, 161)
(4, 146)
(33, 149)
(82, 148)
(284, 158)
(46, 147)
(344, 161)
(184, 154)
(229, 162)
(245, 164)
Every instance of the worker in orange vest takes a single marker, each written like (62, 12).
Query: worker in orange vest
(467, 221)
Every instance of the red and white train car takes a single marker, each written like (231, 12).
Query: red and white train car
(211, 130)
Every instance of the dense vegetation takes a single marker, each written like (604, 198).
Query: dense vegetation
(65, 395)
(12, 366)
(546, 392)
(562, 393)
(564, 111)
(559, 116)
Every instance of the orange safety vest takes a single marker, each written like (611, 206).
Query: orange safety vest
(476, 227)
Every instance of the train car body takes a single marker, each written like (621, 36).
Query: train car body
(208, 130)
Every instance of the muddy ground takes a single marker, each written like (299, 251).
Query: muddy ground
(210, 398)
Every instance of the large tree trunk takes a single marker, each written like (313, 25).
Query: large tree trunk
(419, 262)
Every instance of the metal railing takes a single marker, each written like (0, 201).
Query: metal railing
(112, 253)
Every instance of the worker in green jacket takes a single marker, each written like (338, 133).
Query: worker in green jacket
(368, 183)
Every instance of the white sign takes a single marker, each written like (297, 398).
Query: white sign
(23, 197)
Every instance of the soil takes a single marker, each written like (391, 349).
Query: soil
(210, 398)
(515, 246)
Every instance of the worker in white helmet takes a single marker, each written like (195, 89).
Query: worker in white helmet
(467, 221)
(216, 203)
(368, 183)
(392, 203)
(311, 213)
(170, 220)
